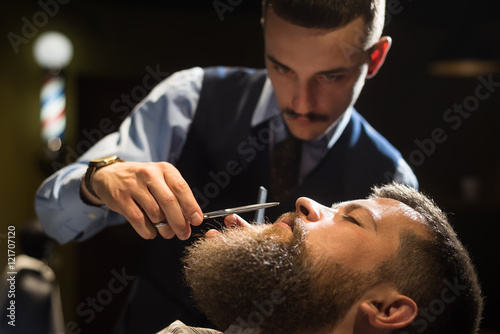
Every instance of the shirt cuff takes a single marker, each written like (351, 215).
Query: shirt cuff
(83, 220)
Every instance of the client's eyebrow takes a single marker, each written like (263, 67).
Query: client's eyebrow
(351, 206)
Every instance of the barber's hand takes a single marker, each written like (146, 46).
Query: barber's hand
(146, 193)
(231, 221)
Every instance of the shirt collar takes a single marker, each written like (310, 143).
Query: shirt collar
(267, 106)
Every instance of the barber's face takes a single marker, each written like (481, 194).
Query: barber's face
(360, 234)
(314, 71)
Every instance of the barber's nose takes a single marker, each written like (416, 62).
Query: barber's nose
(309, 208)
(302, 98)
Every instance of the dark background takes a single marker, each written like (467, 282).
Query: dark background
(116, 41)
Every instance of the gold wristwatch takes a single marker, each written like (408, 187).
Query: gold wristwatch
(96, 164)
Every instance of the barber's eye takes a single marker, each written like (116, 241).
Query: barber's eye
(351, 219)
(281, 69)
(332, 77)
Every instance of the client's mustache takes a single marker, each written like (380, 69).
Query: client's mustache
(312, 117)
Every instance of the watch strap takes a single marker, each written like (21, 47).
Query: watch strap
(93, 167)
(88, 181)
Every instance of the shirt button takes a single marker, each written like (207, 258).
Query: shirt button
(92, 215)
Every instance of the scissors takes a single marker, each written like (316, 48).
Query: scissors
(225, 212)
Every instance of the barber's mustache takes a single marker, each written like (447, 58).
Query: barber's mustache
(312, 117)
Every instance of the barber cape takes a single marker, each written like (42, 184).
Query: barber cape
(177, 327)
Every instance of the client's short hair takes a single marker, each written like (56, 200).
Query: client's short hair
(435, 271)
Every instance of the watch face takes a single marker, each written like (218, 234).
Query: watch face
(104, 160)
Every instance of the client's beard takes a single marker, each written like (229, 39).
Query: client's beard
(263, 280)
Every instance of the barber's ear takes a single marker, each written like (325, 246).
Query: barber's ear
(396, 311)
(378, 55)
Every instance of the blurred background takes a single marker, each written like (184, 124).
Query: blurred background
(437, 99)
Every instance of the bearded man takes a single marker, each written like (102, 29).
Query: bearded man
(390, 263)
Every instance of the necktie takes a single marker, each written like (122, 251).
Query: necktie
(285, 167)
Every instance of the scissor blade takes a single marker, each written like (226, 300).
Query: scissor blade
(239, 209)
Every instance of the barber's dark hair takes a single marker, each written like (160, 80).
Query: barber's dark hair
(435, 271)
(329, 14)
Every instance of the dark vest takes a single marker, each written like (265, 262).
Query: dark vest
(225, 160)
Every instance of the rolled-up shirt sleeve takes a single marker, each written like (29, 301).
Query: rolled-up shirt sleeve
(155, 131)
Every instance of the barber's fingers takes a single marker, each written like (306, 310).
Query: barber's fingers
(166, 231)
(180, 188)
(170, 199)
(159, 191)
(117, 186)
(177, 201)
(130, 196)
(139, 220)
(233, 220)
(154, 213)
(164, 206)
(141, 211)
(147, 202)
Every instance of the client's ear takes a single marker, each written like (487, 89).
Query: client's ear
(391, 312)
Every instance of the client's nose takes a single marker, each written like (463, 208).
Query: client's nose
(309, 208)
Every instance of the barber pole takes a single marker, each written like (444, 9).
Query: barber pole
(53, 111)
